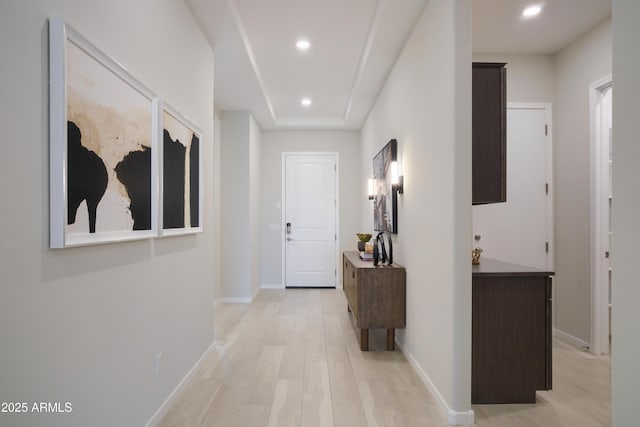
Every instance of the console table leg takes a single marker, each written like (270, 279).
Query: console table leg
(364, 339)
(391, 339)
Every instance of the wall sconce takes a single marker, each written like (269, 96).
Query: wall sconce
(397, 180)
(371, 185)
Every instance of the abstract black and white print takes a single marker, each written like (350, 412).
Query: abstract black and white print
(180, 175)
(385, 201)
(108, 150)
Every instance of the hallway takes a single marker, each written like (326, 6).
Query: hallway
(291, 358)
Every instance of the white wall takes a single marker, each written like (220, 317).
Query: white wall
(240, 205)
(274, 143)
(586, 60)
(426, 105)
(626, 211)
(84, 325)
(254, 202)
(530, 78)
(217, 279)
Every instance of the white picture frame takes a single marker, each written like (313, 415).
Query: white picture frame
(100, 146)
(180, 172)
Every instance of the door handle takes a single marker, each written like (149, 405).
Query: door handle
(289, 239)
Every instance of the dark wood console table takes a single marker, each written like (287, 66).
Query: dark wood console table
(511, 332)
(376, 297)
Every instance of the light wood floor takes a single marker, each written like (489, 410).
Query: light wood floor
(291, 358)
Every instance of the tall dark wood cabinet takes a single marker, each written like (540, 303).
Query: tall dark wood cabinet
(489, 133)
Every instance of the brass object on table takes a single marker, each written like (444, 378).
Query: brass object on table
(475, 256)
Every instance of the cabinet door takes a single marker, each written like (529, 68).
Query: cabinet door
(489, 133)
(349, 283)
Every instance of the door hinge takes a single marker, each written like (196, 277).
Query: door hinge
(335, 272)
(335, 237)
(335, 168)
(546, 130)
(546, 188)
(546, 247)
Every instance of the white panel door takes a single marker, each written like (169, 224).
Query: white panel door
(517, 231)
(310, 220)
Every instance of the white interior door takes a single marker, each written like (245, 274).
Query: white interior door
(520, 230)
(310, 220)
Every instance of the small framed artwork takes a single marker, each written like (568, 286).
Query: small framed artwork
(180, 172)
(103, 175)
(385, 204)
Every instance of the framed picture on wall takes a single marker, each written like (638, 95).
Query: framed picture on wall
(180, 171)
(385, 204)
(103, 173)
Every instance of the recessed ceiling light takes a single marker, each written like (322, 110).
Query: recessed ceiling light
(303, 44)
(532, 11)
(305, 102)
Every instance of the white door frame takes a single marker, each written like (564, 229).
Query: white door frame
(599, 195)
(283, 219)
(547, 107)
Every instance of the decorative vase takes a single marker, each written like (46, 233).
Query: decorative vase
(475, 256)
(362, 239)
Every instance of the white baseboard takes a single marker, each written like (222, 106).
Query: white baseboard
(461, 418)
(238, 300)
(453, 417)
(570, 339)
(166, 405)
(234, 300)
(272, 286)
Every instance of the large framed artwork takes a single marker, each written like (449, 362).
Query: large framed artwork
(385, 204)
(180, 170)
(103, 174)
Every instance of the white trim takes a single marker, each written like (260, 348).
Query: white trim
(366, 52)
(233, 8)
(169, 401)
(599, 272)
(283, 206)
(338, 264)
(570, 339)
(271, 286)
(234, 300)
(453, 417)
(548, 108)
(255, 294)
(283, 221)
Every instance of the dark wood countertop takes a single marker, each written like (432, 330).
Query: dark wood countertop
(491, 267)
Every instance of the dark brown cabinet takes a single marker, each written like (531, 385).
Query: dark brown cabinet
(511, 333)
(376, 297)
(489, 132)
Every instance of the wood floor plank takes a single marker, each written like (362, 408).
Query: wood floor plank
(292, 358)
(286, 410)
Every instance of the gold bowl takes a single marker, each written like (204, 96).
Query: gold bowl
(364, 237)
